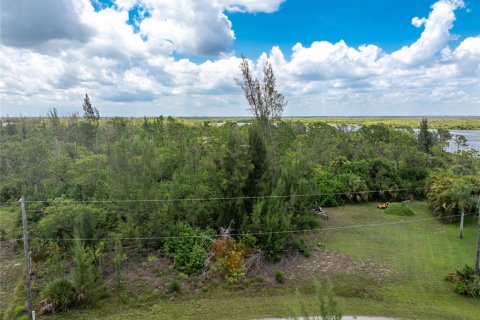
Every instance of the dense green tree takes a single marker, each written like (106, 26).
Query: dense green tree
(89, 111)
(235, 168)
(449, 195)
(460, 141)
(443, 137)
(258, 158)
(425, 138)
(269, 219)
(87, 277)
(63, 219)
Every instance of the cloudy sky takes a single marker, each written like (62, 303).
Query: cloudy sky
(179, 57)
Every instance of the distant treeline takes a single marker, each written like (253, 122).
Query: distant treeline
(447, 123)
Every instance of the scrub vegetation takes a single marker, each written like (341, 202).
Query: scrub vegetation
(131, 212)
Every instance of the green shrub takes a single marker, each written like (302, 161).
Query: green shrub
(279, 276)
(399, 209)
(300, 246)
(87, 276)
(328, 184)
(174, 286)
(24, 317)
(268, 220)
(55, 266)
(61, 294)
(305, 222)
(19, 310)
(152, 259)
(189, 250)
(64, 219)
(466, 282)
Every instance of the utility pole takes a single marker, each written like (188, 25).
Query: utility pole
(477, 260)
(26, 251)
(461, 223)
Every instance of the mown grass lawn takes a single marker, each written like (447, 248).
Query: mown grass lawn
(422, 253)
(419, 253)
(11, 264)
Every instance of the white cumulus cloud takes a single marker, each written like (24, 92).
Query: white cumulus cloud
(434, 37)
(133, 70)
(418, 22)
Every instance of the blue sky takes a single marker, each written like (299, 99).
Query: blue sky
(151, 57)
(357, 22)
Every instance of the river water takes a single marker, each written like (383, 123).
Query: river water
(472, 136)
(473, 140)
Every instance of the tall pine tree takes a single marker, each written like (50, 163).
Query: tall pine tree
(425, 139)
(89, 111)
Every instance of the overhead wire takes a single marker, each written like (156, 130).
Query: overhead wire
(219, 198)
(247, 233)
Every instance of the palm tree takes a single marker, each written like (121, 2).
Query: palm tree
(463, 199)
(356, 188)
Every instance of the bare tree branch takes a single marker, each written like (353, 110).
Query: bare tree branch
(265, 101)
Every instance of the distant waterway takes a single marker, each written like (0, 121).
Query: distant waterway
(473, 140)
(472, 136)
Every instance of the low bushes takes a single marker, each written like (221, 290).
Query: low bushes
(229, 257)
(174, 287)
(279, 276)
(59, 295)
(300, 246)
(189, 250)
(399, 209)
(465, 282)
(19, 310)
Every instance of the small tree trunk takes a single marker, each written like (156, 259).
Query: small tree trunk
(461, 223)
(477, 261)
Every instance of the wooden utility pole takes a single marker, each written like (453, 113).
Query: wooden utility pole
(461, 223)
(477, 260)
(26, 251)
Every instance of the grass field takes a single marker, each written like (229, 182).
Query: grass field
(422, 252)
(419, 255)
(11, 265)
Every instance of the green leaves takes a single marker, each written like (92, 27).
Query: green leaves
(87, 277)
(189, 249)
(63, 219)
(449, 194)
(425, 139)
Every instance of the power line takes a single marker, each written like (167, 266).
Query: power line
(249, 233)
(221, 198)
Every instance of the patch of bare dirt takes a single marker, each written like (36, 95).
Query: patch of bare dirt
(328, 263)
(323, 263)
